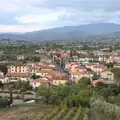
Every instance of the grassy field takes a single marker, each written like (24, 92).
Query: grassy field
(25, 112)
(44, 112)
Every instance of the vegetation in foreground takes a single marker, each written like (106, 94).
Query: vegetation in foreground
(44, 112)
(78, 101)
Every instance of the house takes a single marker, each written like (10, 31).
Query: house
(2, 78)
(96, 67)
(20, 57)
(45, 60)
(36, 68)
(94, 82)
(82, 60)
(17, 72)
(57, 82)
(39, 82)
(49, 77)
(14, 77)
(18, 68)
(107, 75)
(99, 68)
(114, 58)
(117, 65)
(75, 76)
(70, 65)
(78, 71)
(59, 79)
(89, 65)
(54, 77)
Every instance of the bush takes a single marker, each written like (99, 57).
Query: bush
(3, 102)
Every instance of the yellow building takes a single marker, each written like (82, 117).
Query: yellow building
(17, 68)
(59, 82)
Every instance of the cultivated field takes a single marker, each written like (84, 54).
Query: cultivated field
(44, 112)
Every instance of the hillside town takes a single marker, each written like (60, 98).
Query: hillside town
(60, 60)
(53, 81)
(63, 66)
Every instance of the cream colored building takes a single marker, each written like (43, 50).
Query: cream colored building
(17, 69)
(59, 82)
(108, 76)
(17, 72)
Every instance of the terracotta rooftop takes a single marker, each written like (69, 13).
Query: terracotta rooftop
(17, 75)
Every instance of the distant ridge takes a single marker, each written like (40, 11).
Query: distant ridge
(65, 33)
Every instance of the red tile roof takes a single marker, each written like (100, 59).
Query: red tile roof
(94, 82)
(17, 75)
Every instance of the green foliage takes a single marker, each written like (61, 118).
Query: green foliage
(22, 86)
(3, 68)
(106, 91)
(116, 72)
(1, 84)
(69, 94)
(95, 77)
(77, 115)
(103, 110)
(34, 76)
(46, 93)
(115, 100)
(3, 102)
(109, 65)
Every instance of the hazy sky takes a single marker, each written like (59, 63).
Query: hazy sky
(29, 15)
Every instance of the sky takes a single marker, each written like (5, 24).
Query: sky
(32, 15)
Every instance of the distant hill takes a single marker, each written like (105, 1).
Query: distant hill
(66, 33)
(112, 37)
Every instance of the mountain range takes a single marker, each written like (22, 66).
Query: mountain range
(66, 33)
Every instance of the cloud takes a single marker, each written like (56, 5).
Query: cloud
(85, 5)
(69, 15)
(36, 18)
(23, 15)
(20, 28)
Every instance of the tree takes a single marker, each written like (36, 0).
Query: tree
(95, 77)
(116, 72)
(3, 102)
(45, 93)
(1, 85)
(34, 76)
(68, 94)
(106, 90)
(22, 86)
(10, 88)
(86, 81)
(3, 68)
(109, 65)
